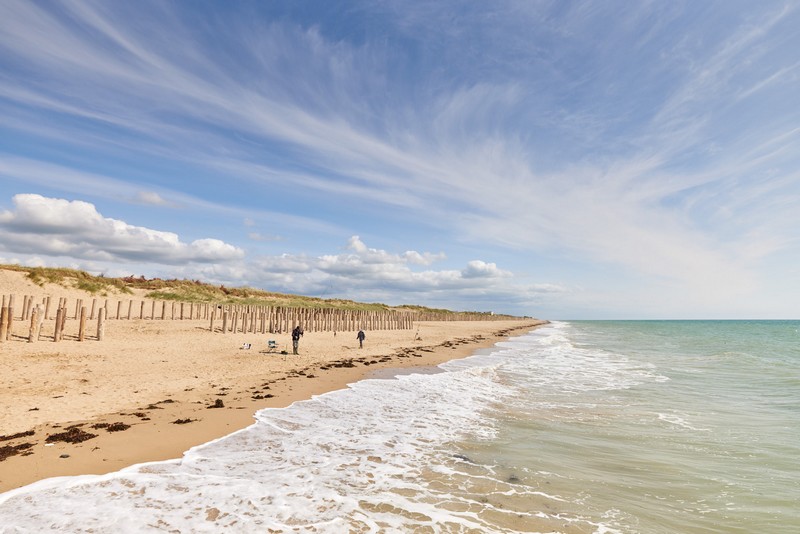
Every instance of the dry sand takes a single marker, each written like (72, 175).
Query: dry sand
(147, 391)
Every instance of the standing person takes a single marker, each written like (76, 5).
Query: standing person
(297, 333)
(360, 338)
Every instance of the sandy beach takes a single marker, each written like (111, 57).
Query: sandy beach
(152, 389)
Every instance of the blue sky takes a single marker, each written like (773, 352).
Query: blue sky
(594, 160)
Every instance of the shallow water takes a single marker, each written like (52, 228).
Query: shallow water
(576, 427)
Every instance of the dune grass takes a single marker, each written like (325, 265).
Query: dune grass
(195, 291)
(72, 278)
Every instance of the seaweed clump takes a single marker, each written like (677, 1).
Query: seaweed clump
(73, 435)
(12, 450)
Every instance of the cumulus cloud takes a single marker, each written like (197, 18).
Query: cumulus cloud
(355, 244)
(481, 269)
(364, 254)
(58, 232)
(58, 227)
(365, 273)
(427, 258)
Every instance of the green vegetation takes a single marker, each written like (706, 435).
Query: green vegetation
(72, 278)
(196, 291)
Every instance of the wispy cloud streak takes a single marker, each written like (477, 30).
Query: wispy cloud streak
(657, 138)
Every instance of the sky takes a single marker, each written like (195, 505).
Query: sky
(558, 159)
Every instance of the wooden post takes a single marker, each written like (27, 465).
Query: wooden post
(39, 323)
(82, 327)
(163, 310)
(3, 321)
(153, 310)
(10, 317)
(224, 322)
(46, 307)
(141, 311)
(62, 323)
(101, 324)
(34, 332)
(119, 309)
(58, 322)
(130, 308)
(94, 308)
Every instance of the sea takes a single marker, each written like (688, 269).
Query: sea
(575, 427)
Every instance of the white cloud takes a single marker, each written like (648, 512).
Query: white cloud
(58, 227)
(426, 258)
(365, 273)
(355, 244)
(58, 232)
(150, 197)
(481, 269)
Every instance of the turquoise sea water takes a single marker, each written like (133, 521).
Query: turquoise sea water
(651, 426)
(661, 426)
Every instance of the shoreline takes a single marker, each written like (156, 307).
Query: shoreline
(165, 402)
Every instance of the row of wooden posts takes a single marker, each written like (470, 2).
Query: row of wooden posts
(270, 319)
(224, 318)
(37, 314)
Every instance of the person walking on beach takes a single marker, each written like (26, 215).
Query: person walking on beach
(297, 333)
(360, 337)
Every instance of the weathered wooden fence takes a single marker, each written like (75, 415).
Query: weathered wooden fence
(276, 319)
(44, 318)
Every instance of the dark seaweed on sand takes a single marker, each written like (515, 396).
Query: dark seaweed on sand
(13, 450)
(112, 427)
(73, 435)
(17, 435)
(155, 406)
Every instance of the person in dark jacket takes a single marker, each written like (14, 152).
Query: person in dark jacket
(297, 333)
(360, 337)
